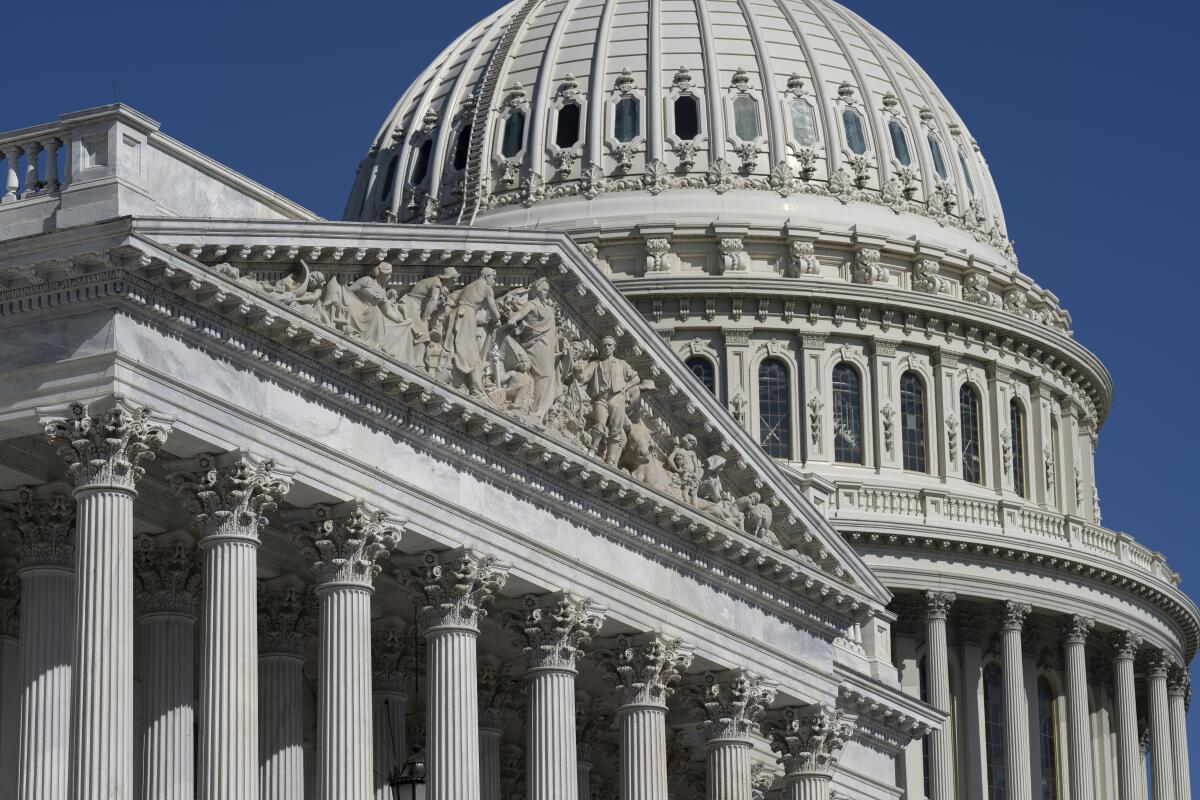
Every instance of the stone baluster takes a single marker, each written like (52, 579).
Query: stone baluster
(645, 666)
(10, 679)
(497, 708)
(229, 495)
(1158, 667)
(732, 703)
(40, 525)
(12, 180)
(1017, 768)
(809, 742)
(456, 584)
(51, 179)
(941, 748)
(1125, 646)
(345, 544)
(287, 621)
(553, 629)
(103, 455)
(1179, 696)
(1079, 725)
(167, 580)
(32, 180)
(391, 663)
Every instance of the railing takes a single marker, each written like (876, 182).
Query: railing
(35, 162)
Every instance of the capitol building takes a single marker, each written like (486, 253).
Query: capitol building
(668, 418)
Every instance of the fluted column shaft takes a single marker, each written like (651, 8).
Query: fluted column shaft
(583, 770)
(44, 749)
(1177, 700)
(1017, 768)
(1161, 755)
(941, 756)
(168, 738)
(728, 769)
(1125, 646)
(552, 768)
(390, 742)
(10, 714)
(814, 786)
(344, 745)
(643, 751)
(281, 739)
(1079, 723)
(489, 763)
(452, 724)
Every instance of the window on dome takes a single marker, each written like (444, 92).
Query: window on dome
(939, 163)
(856, 138)
(687, 117)
(962, 161)
(847, 415)
(899, 142)
(993, 726)
(514, 134)
(704, 371)
(972, 459)
(566, 133)
(389, 178)
(774, 409)
(462, 147)
(804, 124)
(912, 421)
(745, 118)
(627, 122)
(421, 163)
(1048, 740)
(1016, 424)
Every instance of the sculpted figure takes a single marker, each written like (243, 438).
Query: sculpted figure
(535, 328)
(641, 455)
(756, 515)
(364, 310)
(466, 336)
(517, 386)
(688, 467)
(611, 384)
(423, 305)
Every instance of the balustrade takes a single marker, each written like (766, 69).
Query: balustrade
(31, 166)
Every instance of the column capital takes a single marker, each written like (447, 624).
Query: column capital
(456, 584)
(1158, 663)
(733, 703)
(167, 576)
(1076, 628)
(106, 450)
(1124, 645)
(10, 598)
(1179, 683)
(593, 726)
(40, 523)
(499, 694)
(287, 620)
(229, 494)
(645, 666)
(392, 659)
(1013, 615)
(971, 627)
(554, 628)
(344, 542)
(810, 740)
(936, 605)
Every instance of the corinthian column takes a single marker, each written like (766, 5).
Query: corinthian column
(593, 730)
(1017, 768)
(103, 455)
(167, 578)
(497, 707)
(41, 527)
(1158, 666)
(1125, 645)
(732, 704)
(1179, 695)
(1079, 721)
(286, 624)
(10, 674)
(941, 755)
(554, 629)
(391, 662)
(645, 667)
(810, 742)
(456, 584)
(229, 495)
(345, 544)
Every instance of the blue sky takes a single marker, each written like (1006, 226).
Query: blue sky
(1086, 113)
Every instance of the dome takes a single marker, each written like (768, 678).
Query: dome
(582, 113)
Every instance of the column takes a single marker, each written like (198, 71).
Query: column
(1017, 769)
(391, 663)
(41, 527)
(1179, 695)
(809, 742)
(593, 726)
(1125, 646)
(456, 584)
(287, 621)
(941, 755)
(167, 579)
(1158, 667)
(554, 629)
(497, 707)
(10, 680)
(645, 666)
(345, 544)
(229, 495)
(973, 783)
(732, 704)
(103, 455)
(1079, 720)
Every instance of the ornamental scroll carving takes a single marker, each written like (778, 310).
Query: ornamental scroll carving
(519, 352)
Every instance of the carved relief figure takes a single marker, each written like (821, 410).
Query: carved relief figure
(688, 467)
(534, 324)
(423, 305)
(612, 386)
(467, 339)
(364, 311)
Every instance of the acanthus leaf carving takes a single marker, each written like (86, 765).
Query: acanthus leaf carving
(455, 584)
(41, 528)
(166, 577)
(553, 630)
(229, 495)
(811, 740)
(344, 543)
(645, 667)
(107, 449)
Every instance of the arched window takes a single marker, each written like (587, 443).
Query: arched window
(514, 134)
(968, 409)
(1016, 424)
(687, 117)
(462, 147)
(626, 120)
(774, 408)
(993, 726)
(1055, 462)
(939, 162)
(912, 421)
(704, 371)
(923, 677)
(389, 179)
(1048, 740)
(856, 139)
(566, 133)
(804, 125)
(962, 162)
(745, 118)
(421, 163)
(847, 415)
(899, 142)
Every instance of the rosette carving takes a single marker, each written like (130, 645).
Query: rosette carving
(107, 449)
(345, 543)
(229, 495)
(41, 528)
(645, 667)
(554, 629)
(456, 585)
(166, 577)
(811, 741)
